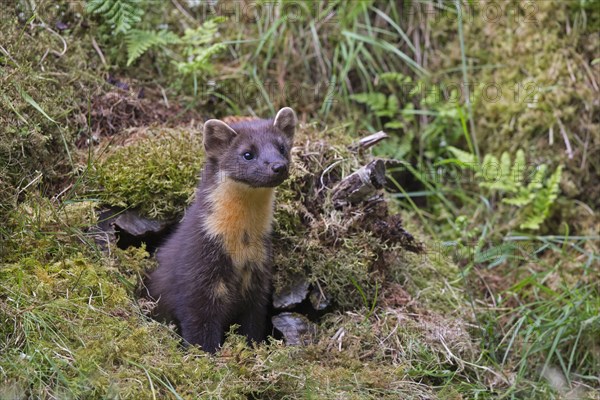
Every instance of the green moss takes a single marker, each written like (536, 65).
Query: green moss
(157, 173)
(69, 329)
(342, 270)
(314, 239)
(38, 228)
(41, 91)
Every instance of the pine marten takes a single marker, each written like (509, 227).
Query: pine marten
(215, 270)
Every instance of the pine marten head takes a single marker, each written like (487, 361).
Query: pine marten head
(255, 152)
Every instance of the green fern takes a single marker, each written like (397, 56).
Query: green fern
(503, 175)
(202, 35)
(508, 178)
(121, 15)
(464, 158)
(139, 41)
(198, 49)
(194, 46)
(395, 77)
(541, 204)
(381, 105)
(200, 60)
(526, 194)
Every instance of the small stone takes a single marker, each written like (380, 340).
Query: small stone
(291, 295)
(128, 228)
(296, 329)
(131, 222)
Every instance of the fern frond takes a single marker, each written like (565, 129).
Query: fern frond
(522, 198)
(466, 159)
(140, 41)
(379, 103)
(533, 199)
(540, 207)
(502, 175)
(391, 108)
(201, 60)
(375, 101)
(489, 165)
(202, 35)
(517, 171)
(505, 182)
(122, 15)
(198, 47)
(395, 77)
(537, 181)
(490, 173)
(98, 6)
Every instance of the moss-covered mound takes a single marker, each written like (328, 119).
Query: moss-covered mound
(155, 171)
(350, 253)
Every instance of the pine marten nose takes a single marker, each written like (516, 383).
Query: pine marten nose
(278, 168)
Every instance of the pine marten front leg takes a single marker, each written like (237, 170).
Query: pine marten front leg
(206, 330)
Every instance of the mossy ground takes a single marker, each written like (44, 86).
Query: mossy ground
(464, 319)
(72, 327)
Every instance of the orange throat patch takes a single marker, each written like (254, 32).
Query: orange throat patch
(241, 217)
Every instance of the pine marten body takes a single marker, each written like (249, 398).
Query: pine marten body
(215, 270)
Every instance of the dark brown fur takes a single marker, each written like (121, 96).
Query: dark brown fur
(211, 273)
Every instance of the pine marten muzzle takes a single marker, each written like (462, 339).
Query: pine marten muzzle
(215, 270)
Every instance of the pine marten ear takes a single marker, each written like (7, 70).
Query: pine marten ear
(285, 121)
(217, 137)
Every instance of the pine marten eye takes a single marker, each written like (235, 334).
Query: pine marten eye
(282, 149)
(248, 156)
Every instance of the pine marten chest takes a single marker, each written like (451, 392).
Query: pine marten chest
(240, 217)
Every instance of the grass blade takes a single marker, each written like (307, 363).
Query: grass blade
(387, 47)
(33, 103)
